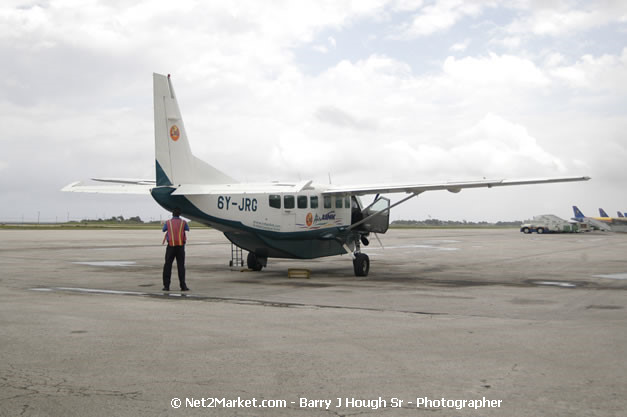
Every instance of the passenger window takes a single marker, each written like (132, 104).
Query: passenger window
(347, 202)
(338, 202)
(313, 201)
(275, 201)
(302, 201)
(288, 201)
(327, 201)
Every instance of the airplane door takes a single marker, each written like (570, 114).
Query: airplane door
(288, 221)
(380, 222)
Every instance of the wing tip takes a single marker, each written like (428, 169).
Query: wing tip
(70, 186)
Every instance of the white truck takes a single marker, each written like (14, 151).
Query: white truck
(549, 223)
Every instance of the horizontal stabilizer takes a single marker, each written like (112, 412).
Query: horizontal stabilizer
(126, 181)
(79, 187)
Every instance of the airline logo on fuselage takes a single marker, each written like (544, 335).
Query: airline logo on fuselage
(325, 217)
(318, 221)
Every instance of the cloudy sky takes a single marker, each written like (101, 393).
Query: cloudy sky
(365, 91)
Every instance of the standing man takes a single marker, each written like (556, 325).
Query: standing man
(175, 229)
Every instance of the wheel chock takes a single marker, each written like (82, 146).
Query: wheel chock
(298, 273)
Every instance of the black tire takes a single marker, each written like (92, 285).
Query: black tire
(361, 265)
(540, 230)
(526, 230)
(253, 263)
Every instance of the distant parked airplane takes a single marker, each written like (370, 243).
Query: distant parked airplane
(610, 224)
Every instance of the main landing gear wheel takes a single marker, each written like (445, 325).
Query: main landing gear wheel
(361, 264)
(253, 262)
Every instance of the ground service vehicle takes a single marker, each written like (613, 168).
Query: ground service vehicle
(549, 223)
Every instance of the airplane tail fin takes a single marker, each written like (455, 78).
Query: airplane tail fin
(577, 212)
(602, 213)
(175, 163)
(620, 214)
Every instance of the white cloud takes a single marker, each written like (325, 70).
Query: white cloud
(508, 42)
(493, 147)
(321, 48)
(380, 104)
(406, 5)
(561, 18)
(460, 46)
(554, 60)
(605, 72)
(495, 70)
(80, 94)
(496, 146)
(440, 16)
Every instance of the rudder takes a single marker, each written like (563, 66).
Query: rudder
(578, 213)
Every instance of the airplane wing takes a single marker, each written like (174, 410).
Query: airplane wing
(453, 187)
(117, 186)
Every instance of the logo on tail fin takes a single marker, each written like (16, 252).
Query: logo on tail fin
(174, 133)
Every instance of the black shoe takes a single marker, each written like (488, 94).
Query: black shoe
(184, 289)
(165, 289)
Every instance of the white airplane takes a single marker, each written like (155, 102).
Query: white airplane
(273, 220)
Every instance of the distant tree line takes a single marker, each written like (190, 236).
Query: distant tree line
(400, 223)
(444, 223)
(118, 219)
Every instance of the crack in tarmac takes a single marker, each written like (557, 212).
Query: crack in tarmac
(234, 300)
(32, 383)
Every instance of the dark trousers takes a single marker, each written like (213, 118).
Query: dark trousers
(171, 253)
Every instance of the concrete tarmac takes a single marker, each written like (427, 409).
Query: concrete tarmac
(448, 323)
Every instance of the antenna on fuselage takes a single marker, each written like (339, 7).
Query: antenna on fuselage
(329, 178)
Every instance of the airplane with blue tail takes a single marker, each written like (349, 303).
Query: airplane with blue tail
(604, 222)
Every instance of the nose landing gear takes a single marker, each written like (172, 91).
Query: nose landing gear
(361, 265)
(361, 261)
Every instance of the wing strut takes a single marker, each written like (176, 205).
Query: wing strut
(354, 225)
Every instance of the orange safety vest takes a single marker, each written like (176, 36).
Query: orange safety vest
(176, 232)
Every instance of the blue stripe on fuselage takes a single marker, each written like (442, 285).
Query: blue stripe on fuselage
(304, 244)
